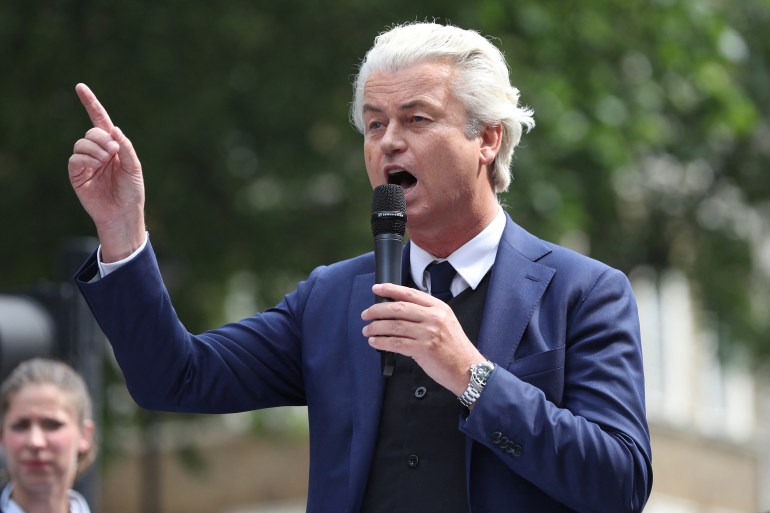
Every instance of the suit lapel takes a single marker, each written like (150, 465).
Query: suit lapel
(516, 286)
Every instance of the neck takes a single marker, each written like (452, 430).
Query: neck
(53, 502)
(443, 240)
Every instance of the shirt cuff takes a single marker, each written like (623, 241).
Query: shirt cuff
(105, 269)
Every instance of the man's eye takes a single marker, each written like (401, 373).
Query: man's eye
(419, 119)
(374, 125)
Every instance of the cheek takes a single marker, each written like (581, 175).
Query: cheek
(372, 167)
(64, 443)
(11, 444)
(369, 153)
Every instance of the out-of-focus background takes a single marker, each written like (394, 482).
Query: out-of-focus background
(650, 153)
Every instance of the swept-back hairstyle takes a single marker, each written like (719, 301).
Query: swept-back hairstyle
(481, 81)
(41, 371)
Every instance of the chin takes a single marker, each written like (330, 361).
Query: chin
(37, 483)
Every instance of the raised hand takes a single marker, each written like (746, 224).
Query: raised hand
(106, 174)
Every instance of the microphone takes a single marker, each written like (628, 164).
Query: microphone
(388, 226)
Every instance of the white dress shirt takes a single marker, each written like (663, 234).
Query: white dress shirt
(472, 260)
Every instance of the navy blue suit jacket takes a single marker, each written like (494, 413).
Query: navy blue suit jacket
(560, 426)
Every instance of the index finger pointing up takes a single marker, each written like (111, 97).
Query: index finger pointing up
(96, 112)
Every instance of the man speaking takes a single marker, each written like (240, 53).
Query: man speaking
(517, 382)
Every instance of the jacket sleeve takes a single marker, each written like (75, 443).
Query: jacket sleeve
(587, 447)
(254, 363)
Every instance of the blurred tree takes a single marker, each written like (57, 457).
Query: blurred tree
(651, 139)
(652, 133)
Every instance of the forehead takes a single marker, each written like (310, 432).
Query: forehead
(420, 81)
(40, 399)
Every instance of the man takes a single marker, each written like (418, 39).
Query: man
(539, 344)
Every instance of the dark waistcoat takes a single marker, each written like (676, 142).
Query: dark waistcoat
(419, 460)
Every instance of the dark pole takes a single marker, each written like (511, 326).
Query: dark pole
(151, 485)
(83, 348)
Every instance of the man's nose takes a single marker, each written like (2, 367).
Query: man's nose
(393, 139)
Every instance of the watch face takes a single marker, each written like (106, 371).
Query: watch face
(482, 371)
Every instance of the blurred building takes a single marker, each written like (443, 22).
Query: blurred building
(210, 464)
(709, 416)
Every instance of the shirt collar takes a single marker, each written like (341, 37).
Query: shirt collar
(78, 503)
(472, 260)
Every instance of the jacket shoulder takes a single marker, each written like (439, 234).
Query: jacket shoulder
(567, 263)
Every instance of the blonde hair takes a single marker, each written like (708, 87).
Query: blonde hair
(40, 371)
(482, 81)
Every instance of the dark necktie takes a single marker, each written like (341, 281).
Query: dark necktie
(441, 276)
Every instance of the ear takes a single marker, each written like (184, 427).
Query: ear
(491, 140)
(86, 436)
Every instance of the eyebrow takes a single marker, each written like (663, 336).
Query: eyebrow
(403, 107)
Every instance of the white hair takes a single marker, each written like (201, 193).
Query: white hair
(482, 81)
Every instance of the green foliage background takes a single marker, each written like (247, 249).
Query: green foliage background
(651, 140)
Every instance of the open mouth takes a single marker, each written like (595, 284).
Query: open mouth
(402, 178)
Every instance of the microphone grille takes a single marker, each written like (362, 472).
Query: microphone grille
(388, 210)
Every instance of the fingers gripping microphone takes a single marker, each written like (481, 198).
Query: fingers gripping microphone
(388, 226)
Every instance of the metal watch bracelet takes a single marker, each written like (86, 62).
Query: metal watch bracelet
(479, 375)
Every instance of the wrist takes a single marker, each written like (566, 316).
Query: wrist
(479, 375)
(117, 245)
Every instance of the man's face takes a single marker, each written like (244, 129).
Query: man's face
(414, 136)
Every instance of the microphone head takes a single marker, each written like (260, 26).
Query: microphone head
(388, 210)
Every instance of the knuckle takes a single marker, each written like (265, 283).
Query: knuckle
(398, 306)
(443, 313)
(397, 328)
(432, 345)
(433, 332)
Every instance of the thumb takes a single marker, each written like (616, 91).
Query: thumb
(127, 154)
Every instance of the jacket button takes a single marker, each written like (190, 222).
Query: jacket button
(515, 450)
(420, 392)
(497, 437)
(412, 461)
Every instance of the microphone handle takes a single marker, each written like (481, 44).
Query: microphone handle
(388, 248)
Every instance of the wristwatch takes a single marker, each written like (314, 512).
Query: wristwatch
(479, 375)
